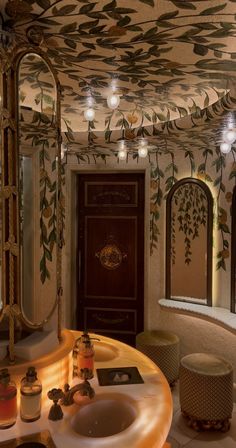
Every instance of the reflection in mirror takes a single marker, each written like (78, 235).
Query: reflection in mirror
(38, 186)
(189, 220)
(233, 253)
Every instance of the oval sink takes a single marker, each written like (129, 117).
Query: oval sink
(104, 352)
(106, 416)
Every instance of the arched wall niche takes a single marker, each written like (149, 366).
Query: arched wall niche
(189, 221)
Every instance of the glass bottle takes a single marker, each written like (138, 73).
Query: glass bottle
(85, 357)
(30, 399)
(8, 400)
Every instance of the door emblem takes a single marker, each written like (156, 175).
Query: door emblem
(110, 256)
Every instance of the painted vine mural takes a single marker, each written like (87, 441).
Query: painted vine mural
(156, 54)
(173, 65)
(189, 214)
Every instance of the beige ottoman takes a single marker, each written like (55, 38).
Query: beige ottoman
(206, 391)
(162, 347)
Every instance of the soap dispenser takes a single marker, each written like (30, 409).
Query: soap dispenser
(30, 399)
(8, 400)
(85, 356)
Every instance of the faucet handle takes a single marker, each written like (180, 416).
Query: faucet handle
(55, 412)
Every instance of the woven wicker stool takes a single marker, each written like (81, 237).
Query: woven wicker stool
(206, 391)
(162, 347)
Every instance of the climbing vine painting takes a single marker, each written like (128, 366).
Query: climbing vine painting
(189, 210)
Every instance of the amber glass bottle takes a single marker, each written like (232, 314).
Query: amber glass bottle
(85, 356)
(8, 400)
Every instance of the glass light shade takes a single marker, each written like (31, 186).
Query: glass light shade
(113, 101)
(142, 151)
(122, 154)
(230, 136)
(225, 147)
(89, 114)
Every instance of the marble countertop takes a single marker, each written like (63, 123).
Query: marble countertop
(152, 401)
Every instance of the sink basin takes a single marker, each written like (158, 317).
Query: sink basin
(109, 414)
(105, 352)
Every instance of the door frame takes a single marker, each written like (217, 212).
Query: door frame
(72, 171)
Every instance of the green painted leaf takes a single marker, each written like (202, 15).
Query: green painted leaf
(183, 4)
(202, 50)
(70, 43)
(168, 15)
(69, 28)
(124, 10)
(148, 2)
(44, 4)
(124, 21)
(64, 10)
(87, 8)
(110, 6)
(213, 10)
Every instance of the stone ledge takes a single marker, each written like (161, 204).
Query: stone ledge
(219, 316)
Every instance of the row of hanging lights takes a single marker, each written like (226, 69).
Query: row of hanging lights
(113, 102)
(229, 137)
(142, 150)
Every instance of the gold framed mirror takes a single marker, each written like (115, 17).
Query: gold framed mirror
(189, 221)
(31, 163)
(38, 186)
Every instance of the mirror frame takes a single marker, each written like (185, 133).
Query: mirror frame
(209, 229)
(57, 133)
(233, 252)
(10, 194)
(2, 294)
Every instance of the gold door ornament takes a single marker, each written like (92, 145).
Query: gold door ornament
(111, 256)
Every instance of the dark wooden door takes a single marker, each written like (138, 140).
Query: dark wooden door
(110, 261)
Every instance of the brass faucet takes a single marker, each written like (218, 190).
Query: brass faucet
(85, 389)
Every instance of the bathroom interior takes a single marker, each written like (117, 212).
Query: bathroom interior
(118, 214)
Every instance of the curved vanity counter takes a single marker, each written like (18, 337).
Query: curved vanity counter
(145, 409)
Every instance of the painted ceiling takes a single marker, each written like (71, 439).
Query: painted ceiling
(166, 59)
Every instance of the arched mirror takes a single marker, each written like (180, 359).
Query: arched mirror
(233, 254)
(38, 185)
(189, 219)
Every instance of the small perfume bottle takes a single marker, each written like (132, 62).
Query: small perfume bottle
(30, 399)
(85, 356)
(8, 400)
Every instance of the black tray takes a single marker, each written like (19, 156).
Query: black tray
(119, 375)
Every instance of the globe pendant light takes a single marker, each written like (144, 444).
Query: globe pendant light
(142, 150)
(230, 136)
(225, 147)
(89, 114)
(113, 101)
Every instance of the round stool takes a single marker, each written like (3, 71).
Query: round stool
(206, 391)
(162, 347)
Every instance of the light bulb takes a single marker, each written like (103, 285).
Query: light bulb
(225, 147)
(89, 114)
(122, 154)
(230, 136)
(113, 101)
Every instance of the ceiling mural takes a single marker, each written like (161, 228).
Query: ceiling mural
(172, 64)
(164, 59)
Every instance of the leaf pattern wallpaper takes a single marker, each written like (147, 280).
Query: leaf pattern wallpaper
(172, 63)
